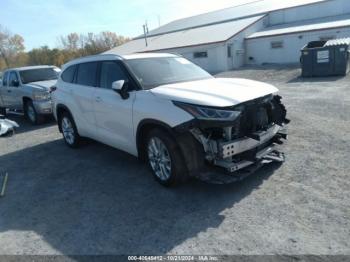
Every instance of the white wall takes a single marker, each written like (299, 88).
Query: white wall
(215, 62)
(260, 48)
(218, 60)
(238, 43)
(319, 10)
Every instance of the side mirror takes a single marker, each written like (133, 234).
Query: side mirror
(15, 83)
(121, 87)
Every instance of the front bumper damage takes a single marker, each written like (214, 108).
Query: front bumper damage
(227, 150)
(235, 160)
(233, 151)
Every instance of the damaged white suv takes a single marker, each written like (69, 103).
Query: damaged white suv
(169, 112)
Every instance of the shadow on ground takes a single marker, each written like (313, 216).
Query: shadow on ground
(111, 205)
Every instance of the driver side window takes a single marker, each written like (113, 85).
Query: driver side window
(4, 79)
(13, 78)
(111, 71)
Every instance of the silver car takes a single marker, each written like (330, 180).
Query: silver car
(27, 89)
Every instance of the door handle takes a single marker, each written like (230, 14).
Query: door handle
(98, 99)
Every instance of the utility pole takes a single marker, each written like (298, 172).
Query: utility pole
(145, 31)
(146, 26)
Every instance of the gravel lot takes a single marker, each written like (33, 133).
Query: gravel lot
(98, 200)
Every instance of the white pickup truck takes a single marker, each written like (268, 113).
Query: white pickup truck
(27, 89)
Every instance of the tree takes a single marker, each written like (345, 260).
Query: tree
(70, 46)
(91, 44)
(10, 46)
(70, 41)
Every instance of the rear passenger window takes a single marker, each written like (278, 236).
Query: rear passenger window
(87, 74)
(68, 74)
(110, 72)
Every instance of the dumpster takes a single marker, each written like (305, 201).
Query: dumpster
(326, 58)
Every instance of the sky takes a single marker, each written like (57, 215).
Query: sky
(41, 22)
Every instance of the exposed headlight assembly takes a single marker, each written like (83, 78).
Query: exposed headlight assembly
(209, 113)
(41, 96)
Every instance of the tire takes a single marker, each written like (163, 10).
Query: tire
(31, 114)
(168, 166)
(3, 111)
(69, 130)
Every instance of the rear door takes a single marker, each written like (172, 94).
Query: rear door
(81, 92)
(113, 113)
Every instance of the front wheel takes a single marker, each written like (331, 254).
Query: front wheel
(165, 159)
(31, 114)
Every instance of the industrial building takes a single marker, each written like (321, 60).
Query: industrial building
(261, 32)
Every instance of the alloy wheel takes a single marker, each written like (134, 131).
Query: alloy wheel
(68, 130)
(159, 158)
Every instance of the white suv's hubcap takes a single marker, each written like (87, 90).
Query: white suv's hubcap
(68, 131)
(159, 158)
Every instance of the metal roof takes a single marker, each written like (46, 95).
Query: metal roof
(191, 37)
(147, 55)
(304, 26)
(340, 41)
(255, 8)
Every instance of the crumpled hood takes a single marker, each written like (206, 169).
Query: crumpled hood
(42, 85)
(219, 92)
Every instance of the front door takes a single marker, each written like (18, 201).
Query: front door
(113, 114)
(3, 90)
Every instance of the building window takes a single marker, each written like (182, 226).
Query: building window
(326, 38)
(200, 54)
(277, 44)
(229, 51)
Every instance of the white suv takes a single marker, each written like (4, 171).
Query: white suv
(172, 114)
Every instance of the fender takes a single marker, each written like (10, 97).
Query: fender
(190, 148)
(65, 108)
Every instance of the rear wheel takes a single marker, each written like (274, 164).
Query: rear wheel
(165, 159)
(69, 130)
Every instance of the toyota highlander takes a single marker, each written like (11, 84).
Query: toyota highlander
(172, 114)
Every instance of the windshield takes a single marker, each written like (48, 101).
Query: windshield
(41, 74)
(153, 72)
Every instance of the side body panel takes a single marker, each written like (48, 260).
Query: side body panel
(114, 119)
(78, 99)
(147, 106)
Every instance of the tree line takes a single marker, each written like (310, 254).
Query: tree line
(13, 54)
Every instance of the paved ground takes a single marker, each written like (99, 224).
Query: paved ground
(98, 200)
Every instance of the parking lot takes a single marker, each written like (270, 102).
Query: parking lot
(98, 200)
